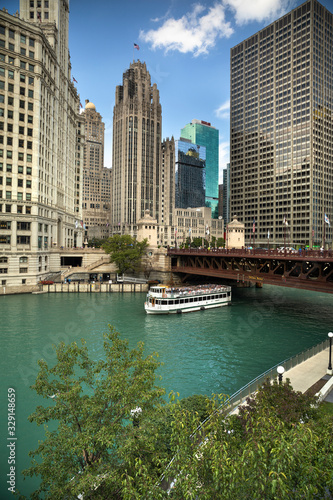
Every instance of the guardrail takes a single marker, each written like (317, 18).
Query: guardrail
(129, 279)
(240, 396)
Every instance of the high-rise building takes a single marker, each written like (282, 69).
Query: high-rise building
(40, 204)
(226, 195)
(282, 129)
(96, 198)
(203, 134)
(137, 129)
(190, 174)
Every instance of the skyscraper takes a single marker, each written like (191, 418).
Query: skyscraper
(190, 174)
(137, 129)
(281, 128)
(203, 134)
(96, 198)
(39, 201)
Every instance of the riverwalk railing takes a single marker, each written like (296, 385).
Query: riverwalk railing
(239, 397)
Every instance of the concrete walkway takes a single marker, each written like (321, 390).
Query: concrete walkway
(307, 373)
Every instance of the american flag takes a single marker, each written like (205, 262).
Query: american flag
(327, 220)
(136, 46)
(254, 225)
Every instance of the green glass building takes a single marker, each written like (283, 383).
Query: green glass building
(203, 134)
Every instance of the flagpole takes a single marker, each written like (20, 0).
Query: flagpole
(324, 232)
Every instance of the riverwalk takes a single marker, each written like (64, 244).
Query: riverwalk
(312, 373)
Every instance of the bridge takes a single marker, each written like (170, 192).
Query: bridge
(304, 269)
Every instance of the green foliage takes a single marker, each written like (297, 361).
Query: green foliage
(95, 450)
(267, 452)
(125, 251)
(95, 242)
(220, 242)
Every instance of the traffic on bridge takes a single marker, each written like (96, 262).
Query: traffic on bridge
(306, 269)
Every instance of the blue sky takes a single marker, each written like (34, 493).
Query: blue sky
(185, 44)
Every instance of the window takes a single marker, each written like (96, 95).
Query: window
(10, 114)
(11, 61)
(5, 224)
(20, 181)
(23, 269)
(22, 91)
(23, 240)
(30, 93)
(11, 74)
(29, 132)
(2, 85)
(8, 195)
(31, 54)
(31, 80)
(22, 78)
(8, 209)
(29, 158)
(21, 143)
(28, 210)
(22, 63)
(11, 33)
(24, 226)
(29, 144)
(5, 239)
(31, 42)
(19, 195)
(9, 154)
(23, 39)
(8, 181)
(28, 196)
(29, 184)
(30, 119)
(10, 127)
(29, 170)
(31, 67)
(30, 106)
(10, 87)
(22, 104)
(19, 209)
(11, 47)
(3, 260)
(8, 167)
(21, 130)
(21, 117)
(10, 101)
(21, 156)
(20, 171)
(9, 141)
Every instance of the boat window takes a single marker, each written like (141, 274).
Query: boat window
(191, 299)
(186, 301)
(177, 301)
(164, 302)
(181, 301)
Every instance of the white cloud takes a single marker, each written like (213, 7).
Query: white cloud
(224, 158)
(195, 32)
(224, 110)
(259, 10)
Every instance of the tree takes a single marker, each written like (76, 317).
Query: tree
(125, 251)
(95, 451)
(95, 242)
(265, 452)
(220, 242)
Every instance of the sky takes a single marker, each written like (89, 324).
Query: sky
(185, 45)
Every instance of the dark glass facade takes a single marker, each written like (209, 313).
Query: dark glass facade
(190, 175)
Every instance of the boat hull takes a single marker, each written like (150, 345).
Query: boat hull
(184, 309)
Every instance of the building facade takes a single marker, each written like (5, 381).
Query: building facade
(136, 165)
(96, 200)
(40, 204)
(190, 174)
(226, 194)
(203, 134)
(196, 223)
(281, 128)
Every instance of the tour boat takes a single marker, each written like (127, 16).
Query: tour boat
(164, 299)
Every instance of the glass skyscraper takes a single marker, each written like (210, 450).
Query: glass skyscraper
(203, 134)
(189, 174)
(282, 130)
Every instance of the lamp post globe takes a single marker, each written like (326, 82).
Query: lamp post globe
(280, 370)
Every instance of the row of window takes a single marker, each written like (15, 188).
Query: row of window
(20, 169)
(23, 78)
(9, 182)
(20, 156)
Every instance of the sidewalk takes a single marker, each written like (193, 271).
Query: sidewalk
(312, 373)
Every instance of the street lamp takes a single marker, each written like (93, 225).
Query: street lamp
(280, 370)
(329, 369)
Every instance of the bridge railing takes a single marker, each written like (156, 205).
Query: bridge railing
(239, 397)
(303, 253)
